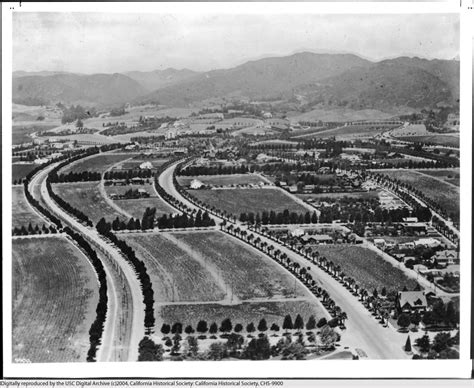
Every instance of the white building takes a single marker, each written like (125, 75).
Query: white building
(196, 184)
(428, 242)
(146, 166)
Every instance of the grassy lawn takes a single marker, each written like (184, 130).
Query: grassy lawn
(248, 200)
(249, 273)
(446, 195)
(175, 275)
(222, 180)
(86, 197)
(21, 170)
(22, 213)
(366, 267)
(243, 313)
(54, 297)
(99, 163)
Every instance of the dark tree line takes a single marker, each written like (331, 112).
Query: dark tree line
(23, 231)
(128, 174)
(218, 170)
(104, 228)
(285, 217)
(83, 176)
(97, 328)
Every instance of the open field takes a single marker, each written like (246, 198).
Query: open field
(243, 313)
(22, 213)
(248, 200)
(451, 176)
(21, 170)
(86, 197)
(54, 297)
(21, 132)
(366, 267)
(100, 162)
(222, 180)
(247, 272)
(175, 274)
(445, 194)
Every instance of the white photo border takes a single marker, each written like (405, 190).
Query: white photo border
(250, 369)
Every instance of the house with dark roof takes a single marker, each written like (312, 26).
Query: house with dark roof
(411, 301)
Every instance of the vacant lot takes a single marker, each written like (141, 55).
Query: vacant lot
(222, 180)
(21, 133)
(22, 212)
(54, 297)
(451, 176)
(249, 273)
(86, 197)
(177, 275)
(248, 200)
(21, 170)
(366, 267)
(243, 313)
(444, 194)
(99, 163)
(439, 139)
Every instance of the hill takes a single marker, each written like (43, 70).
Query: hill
(157, 79)
(95, 89)
(384, 85)
(268, 78)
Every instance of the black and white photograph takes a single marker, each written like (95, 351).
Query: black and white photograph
(235, 185)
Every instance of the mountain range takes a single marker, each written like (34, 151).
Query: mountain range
(312, 79)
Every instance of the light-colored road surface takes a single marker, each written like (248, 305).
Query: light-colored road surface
(111, 340)
(363, 331)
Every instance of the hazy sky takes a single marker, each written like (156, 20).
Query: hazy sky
(107, 43)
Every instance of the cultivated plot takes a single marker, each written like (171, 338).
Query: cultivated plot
(368, 268)
(22, 213)
(54, 297)
(249, 273)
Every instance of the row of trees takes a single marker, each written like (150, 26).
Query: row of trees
(226, 326)
(22, 231)
(404, 189)
(97, 328)
(217, 170)
(140, 269)
(95, 332)
(83, 176)
(284, 217)
(128, 174)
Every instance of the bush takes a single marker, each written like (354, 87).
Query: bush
(322, 322)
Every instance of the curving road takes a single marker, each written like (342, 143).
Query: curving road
(115, 345)
(362, 330)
